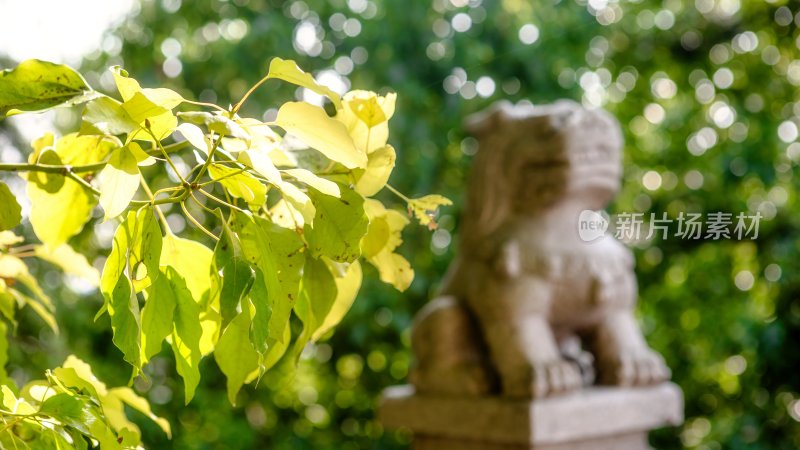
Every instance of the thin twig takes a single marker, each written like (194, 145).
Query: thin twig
(196, 223)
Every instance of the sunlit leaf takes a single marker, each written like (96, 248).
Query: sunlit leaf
(379, 167)
(107, 116)
(240, 184)
(186, 334)
(119, 181)
(194, 135)
(321, 184)
(140, 404)
(317, 296)
(275, 252)
(157, 316)
(57, 216)
(338, 227)
(235, 354)
(237, 276)
(313, 126)
(36, 85)
(288, 70)
(426, 208)
(10, 211)
(347, 286)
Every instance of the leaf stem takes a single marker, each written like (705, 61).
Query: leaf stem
(220, 201)
(398, 193)
(209, 105)
(208, 160)
(48, 168)
(152, 202)
(166, 156)
(228, 175)
(238, 105)
(196, 223)
(75, 177)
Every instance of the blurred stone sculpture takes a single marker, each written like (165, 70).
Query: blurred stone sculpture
(529, 309)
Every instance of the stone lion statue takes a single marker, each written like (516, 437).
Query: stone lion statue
(528, 309)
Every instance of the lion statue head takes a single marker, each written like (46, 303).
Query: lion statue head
(532, 157)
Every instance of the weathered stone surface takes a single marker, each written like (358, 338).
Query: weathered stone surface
(532, 342)
(594, 418)
(529, 309)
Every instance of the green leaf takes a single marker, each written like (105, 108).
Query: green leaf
(339, 225)
(131, 266)
(3, 351)
(348, 282)
(157, 316)
(36, 85)
(119, 181)
(123, 308)
(275, 252)
(313, 126)
(317, 295)
(193, 261)
(65, 408)
(288, 70)
(237, 276)
(327, 187)
(186, 334)
(135, 251)
(379, 167)
(12, 267)
(108, 117)
(57, 215)
(235, 354)
(240, 185)
(259, 160)
(215, 122)
(10, 211)
(194, 136)
(136, 402)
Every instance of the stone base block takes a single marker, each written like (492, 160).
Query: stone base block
(597, 418)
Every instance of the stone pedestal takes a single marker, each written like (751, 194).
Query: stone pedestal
(596, 418)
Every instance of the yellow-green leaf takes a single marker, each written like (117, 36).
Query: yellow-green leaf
(240, 184)
(234, 354)
(157, 316)
(10, 211)
(317, 296)
(426, 208)
(313, 126)
(194, 135)
(379, 167)
(186, 334)
(338, 227)
(107, 116)
(36, 85)
(192, 260)
(321, 184)
(138, 403)
(347, 286)
(59, 215)
(119, 181)
(288, 70)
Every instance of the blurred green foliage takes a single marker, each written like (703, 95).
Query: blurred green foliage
(706, 91)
